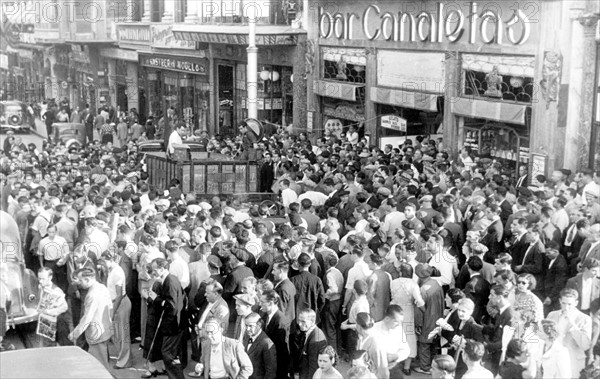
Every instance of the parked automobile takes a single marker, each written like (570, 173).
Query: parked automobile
(64, 362)
(21, 282)
(15, 115)
(69, 133)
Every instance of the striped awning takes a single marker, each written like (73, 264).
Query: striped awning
(408, 99)
(337, 90)
(503, 112)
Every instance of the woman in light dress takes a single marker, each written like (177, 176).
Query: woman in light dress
(406, 294)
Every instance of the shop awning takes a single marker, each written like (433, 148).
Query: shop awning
(504, 112)
(337, 90)
(408, 99)
(237, 34)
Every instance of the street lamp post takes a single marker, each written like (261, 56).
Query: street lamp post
(252, 80)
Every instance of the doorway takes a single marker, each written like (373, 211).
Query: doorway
(225, 83)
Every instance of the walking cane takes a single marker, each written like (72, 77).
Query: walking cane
(154, 338)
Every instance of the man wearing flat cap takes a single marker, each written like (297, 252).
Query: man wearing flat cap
(309, 287)
(427, 315)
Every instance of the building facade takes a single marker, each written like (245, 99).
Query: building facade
(502, 79)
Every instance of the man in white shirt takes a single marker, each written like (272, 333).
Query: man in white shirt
(360, 271)
(176, 137)
(393, 339)
(443, 261)
(177, 267)
(96, 319)
(335, 284)
(288, 195)
(115, 283)
(52, 250)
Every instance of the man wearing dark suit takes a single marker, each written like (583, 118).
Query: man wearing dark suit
(477, 289)
(306, 344)
(494, 233)
(518, 244)
(572, 239)
(550, 232)
(267, 173)
(532, 261)
(285, 289)
(171, 300)
(310, 293)
(277, 329)
(498, 299)
(505, 205)
(233, 282)
(521, 212)
(555, 278)
(260, 349)
(523, 177)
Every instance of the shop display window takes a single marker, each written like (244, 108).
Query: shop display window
(504, 78)
(419, 122)
(505, 143)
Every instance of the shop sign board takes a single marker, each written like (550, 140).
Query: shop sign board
(414, 71)
(393, 122)
(136, 34)
(182, 64)
(163, 38)
(490, 23)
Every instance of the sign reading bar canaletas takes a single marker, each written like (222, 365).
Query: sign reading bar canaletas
(190, 65)
(494, 23)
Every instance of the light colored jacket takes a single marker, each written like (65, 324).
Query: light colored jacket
(235, 360)
(96, 320)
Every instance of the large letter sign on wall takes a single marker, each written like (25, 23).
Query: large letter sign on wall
(439, 26)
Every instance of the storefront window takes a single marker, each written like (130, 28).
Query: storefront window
(505, 143)
(418, 122)
(171, 91)
(505, 78)
(155, 89)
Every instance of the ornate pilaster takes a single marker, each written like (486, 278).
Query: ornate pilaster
(589, 22)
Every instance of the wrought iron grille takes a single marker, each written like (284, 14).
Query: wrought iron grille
(511, 88)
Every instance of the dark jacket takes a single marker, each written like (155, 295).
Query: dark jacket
(494, 333)
(555, 279)
(478, 290)
(263, 356)
(309, 292)
(278, 331)
(305, 354)
(171, 301)
(287, 299)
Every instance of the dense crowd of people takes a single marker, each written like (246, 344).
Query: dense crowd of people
(397, 260)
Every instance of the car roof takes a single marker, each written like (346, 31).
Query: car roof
(65, 362)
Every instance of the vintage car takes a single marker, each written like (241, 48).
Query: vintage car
(15, 115)
(64, 362)
(69, 133)
(21, 282)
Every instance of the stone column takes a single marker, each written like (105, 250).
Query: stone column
(191, 16)
(132, 86)
(169, 14)
(112, 81)
(147, 15)
(589, 22)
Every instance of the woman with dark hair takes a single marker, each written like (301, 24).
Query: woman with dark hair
(327, 361)
(517, 364)
(525, 300)
(406, 294)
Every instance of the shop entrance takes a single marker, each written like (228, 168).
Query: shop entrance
(225, 83)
